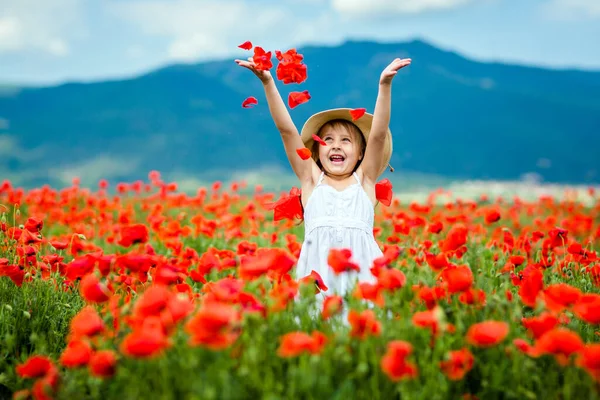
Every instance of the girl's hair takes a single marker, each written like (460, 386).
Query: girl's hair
(350, 127)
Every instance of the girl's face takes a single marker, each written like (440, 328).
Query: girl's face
(342, 152)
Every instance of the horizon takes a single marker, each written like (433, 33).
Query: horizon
(217, 59)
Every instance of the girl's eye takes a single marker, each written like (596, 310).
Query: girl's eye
(346, 140)
(327, 138)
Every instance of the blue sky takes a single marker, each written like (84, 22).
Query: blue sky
(52, 41)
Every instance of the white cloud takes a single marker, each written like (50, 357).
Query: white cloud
(370, 7)
(200, 29)
(40, 25)
(571, 9)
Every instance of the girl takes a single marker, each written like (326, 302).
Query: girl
(338, 182)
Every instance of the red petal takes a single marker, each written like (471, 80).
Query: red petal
(249, 102)
(246, 45)
(289, 206)
(262, 59)
(304, 153)
(357, 113)
(297, 98)
(319, 140)
(383, 192)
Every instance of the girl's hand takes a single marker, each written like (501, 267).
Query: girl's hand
(264, 76)
(391, 70)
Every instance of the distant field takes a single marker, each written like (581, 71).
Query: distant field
(408, 186)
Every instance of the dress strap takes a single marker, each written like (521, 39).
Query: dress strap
(356, 176)
(321, 177)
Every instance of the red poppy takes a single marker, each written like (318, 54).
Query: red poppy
(76, 354)
(103, 363)
(457, 278)
(394, 363)
(92, 290)
(133, 234)
(315, 279)
(538, 325)
(297, 98)
(340, 261)
(384, 192)
(215, 326)
(487, 333)
(364, 324)
(331, 306)
(36, 366)
(288, 206)
(559, 342)
(492, 216)
(295, 343)
(457, 365)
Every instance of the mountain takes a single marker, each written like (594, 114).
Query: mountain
(451, 116)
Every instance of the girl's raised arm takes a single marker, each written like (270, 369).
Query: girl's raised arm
(283, 122)
(371, 164)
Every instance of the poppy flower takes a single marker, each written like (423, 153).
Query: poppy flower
(249, 102)
(92, 290)
(146, 341)
(295, 343)
(214, 326)
(304, 153)
(36, 366)
(357, 113)
(492, 216)
(559, 342)
(297, 98)
(103, 363)
(133, 234)
(247, 45)
(76, 354)
(394, 363)
(331, 306)
(13, 272)
(288, 206)
(384, 192)
(457, 278)
(364, 324)
(340, 261)
(538, 325)
(456, 237)
(487, 333)
(458, 364)
(86, 322)
(315, 279)
(589, 359)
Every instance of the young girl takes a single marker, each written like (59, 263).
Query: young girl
(338, 182)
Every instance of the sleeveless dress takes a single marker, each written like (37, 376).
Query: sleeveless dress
(338, 219)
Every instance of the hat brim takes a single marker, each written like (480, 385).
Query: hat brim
(316, 121)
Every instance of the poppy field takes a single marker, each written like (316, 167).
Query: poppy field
(146, 292)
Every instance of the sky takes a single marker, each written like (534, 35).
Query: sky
(46, 42)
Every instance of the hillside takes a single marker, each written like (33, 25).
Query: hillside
(452, 117)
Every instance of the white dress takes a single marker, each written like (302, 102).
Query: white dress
(338, 219)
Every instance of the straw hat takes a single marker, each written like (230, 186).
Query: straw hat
(316, 121)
